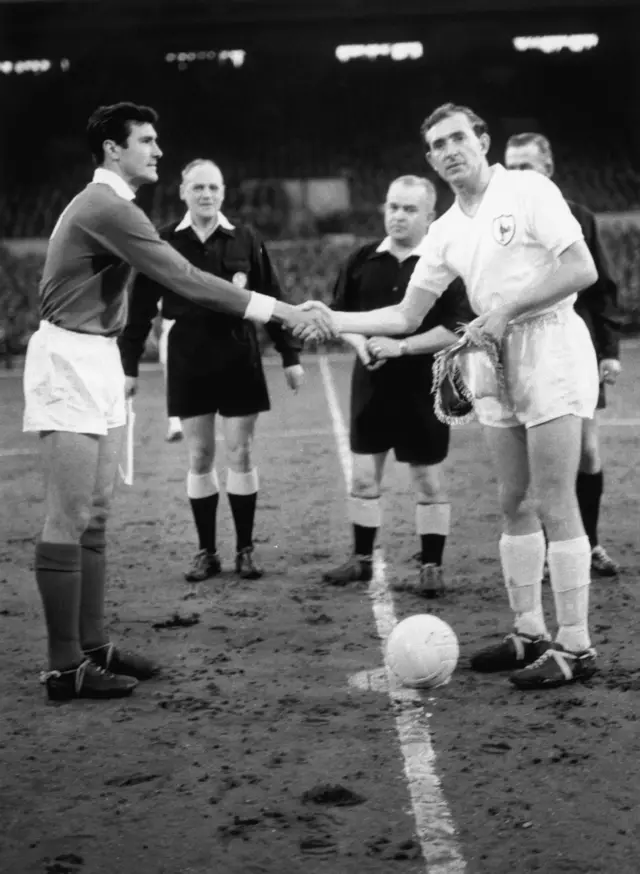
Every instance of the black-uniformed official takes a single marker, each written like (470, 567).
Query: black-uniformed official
(392, 406)
(598, 306)
(213, 363)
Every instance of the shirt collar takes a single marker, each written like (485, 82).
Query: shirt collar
(108, 177)
(385, 246)
(223, 222)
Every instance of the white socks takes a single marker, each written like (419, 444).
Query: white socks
(433, 519)
(570, 570)
(242, 483)
(365, 512)
(522, 558)
(202, 485)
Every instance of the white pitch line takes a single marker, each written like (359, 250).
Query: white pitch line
(434, 823)
(12, 453)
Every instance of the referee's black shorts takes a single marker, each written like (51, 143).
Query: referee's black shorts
(214, 373)
(602, 397)
(392, 408)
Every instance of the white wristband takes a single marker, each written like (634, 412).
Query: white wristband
(260, 308)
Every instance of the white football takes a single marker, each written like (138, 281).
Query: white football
(422, 651)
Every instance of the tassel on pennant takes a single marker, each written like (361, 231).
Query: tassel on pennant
(453, 399)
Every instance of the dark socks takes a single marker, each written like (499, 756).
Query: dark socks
(432, 548)
(589, 489)
(58, 575)
(93, 562)
(364, 539)
(243, 510)
(204, 514)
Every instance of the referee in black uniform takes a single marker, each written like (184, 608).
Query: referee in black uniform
(391, 403)
(213, 362)
(598, 306)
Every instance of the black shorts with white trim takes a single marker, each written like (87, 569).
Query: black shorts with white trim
(392, 408)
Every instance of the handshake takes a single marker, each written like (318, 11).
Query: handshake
(312, 320)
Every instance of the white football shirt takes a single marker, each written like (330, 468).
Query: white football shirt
(512, 243)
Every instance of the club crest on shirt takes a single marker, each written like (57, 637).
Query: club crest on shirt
(504, 229)
(240, 279)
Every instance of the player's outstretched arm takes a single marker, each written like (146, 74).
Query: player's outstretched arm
(127, 232)
(403, 318)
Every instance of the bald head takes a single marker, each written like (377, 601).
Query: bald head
(409, 209)
(202, 189)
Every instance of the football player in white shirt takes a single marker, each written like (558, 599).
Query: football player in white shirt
(512, 239)
(598, 306)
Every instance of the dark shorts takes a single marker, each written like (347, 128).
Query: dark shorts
(391, 412)
(205, 375)
(602, 397)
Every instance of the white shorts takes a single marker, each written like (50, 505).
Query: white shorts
(73, 382)
(550, 371)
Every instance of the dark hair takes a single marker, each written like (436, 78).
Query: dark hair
(114, 123)
(539, 140)
(446, 111)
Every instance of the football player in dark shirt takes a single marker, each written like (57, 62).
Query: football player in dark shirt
(74, 389)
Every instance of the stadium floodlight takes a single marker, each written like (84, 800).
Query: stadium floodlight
(551, 43)
(31, 65)
(236, 57)
(397, 51)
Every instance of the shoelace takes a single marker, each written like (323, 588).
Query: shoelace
(549, 654)
(80, 671)
(110, 648)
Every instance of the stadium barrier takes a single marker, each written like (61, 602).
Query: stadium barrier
(308, 269)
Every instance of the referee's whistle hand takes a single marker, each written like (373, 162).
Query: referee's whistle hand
(294, 376)
(383, 348)
(609, 370)
(130, 386)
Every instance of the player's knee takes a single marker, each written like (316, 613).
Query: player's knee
(239, 456)
(66, 526)
(513, 499)
(364, 486)
(428, 488)
(99, 512)
(201, 459)
(555, 501)
(94, 536)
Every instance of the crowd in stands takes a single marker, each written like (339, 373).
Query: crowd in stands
(360, 123)
(262, 125)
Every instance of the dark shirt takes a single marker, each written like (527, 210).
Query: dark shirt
(598, 304)
(99, 237)
(370, 280)
(235, 254)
